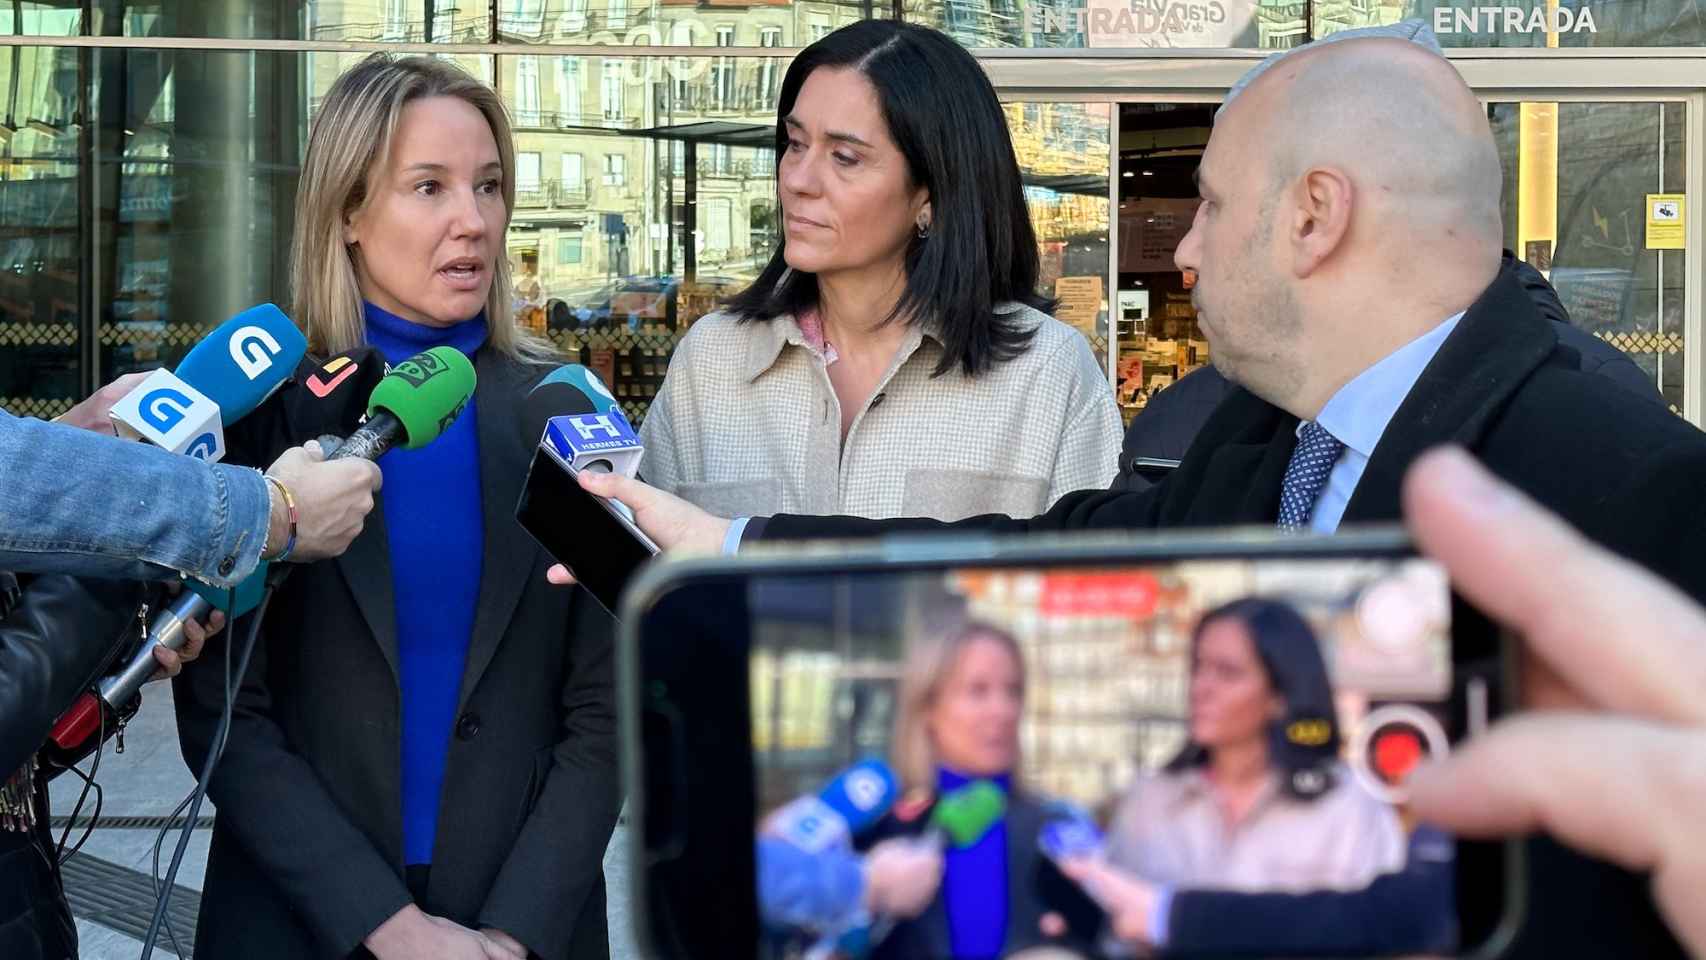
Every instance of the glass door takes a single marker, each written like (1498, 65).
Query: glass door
(1596, 197)
(1063, 148)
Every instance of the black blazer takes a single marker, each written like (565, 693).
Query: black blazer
(1406, 912)
(1621, 468)
(307, 847)
(1034, 887)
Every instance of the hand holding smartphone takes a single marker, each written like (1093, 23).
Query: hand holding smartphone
(1154, 683)
(593, 537)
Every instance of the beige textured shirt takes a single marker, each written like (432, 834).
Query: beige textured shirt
(1169, 829)
(747, 424)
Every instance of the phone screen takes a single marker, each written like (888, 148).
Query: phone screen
(581, 531)
(1234, 733)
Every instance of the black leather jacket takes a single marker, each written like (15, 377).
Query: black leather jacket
(56, 635)
(59, 635)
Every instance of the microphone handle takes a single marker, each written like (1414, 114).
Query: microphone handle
(369, 441)
(165, 630)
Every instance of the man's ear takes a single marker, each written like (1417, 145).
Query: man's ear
(1321, 202)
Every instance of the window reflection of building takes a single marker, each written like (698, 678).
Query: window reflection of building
(1063, 150)
(396, 19)
(975, 23)
(768, 71)
(527, 169)
(611, 92)
(527, 91)
(570, 87)
(642, 174)
(723, 70)
(1282, 24)
(523, 17)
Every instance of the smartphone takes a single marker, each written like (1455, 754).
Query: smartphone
(1153, 469)
(591, 536)
(1102, 684)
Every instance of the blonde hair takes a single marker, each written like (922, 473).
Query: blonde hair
(350, 139)
(928, 664)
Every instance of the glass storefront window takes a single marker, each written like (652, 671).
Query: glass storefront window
(1283, 24)
(1063, 151)
(1580, 179)
(645, 184)
(684, 214)
(408, 21)
(1245, 24)
(41, 258)
(41, 19)
(1156, 339)
(663, 209)
(708, 23)
(794, 23)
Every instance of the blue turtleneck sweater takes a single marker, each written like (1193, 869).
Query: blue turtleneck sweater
(436, 534)
(974, 884)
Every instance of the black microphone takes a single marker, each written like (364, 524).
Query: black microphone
(555, 395)
(416, 401)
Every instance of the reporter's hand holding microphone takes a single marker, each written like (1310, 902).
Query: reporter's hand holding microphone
(902, 876)
(331, 500)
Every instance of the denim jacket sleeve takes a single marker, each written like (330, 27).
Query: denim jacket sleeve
(80, 503)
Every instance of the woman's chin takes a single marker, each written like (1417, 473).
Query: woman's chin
(805, 261)
(454, 310)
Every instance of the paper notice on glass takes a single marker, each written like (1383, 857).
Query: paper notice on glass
(1080, 301)
(1667, 221)
(1150, 231)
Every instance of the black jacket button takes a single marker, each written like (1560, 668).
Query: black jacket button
(468, 727)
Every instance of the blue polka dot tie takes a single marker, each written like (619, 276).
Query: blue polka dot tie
(1311, 462)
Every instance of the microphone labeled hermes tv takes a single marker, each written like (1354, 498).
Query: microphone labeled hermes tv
(594, 537)
(568, 390)
(595, 442)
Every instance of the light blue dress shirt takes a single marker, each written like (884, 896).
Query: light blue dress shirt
(1358, 415)
(731, 540)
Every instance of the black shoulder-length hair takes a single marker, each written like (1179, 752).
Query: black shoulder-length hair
(1303, 744)
(944, 116)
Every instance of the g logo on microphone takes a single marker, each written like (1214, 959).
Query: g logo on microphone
(205, 447)
(164, 408)
(866, 790)
(253, 349)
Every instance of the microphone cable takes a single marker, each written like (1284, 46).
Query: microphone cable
(163, 896)
(61, 854)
